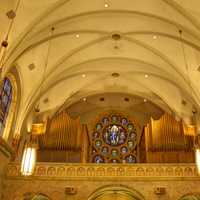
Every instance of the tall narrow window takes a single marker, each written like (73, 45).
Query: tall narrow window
(5, 101)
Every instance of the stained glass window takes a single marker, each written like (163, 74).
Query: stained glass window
(5, 100)
(114, 140)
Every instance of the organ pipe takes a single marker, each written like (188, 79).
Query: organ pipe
(168, 140)
(65, 135)
(167, 134)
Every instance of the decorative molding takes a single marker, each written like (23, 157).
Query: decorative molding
(120, 172)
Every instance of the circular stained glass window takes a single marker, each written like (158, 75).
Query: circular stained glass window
(105, 121)
(114, 119)
(98, 159)
(133, 135)
(114, 140)
(98, 143)
(124, 150)
(130, 144)
(95, 135)
(130, 127)
(114, 152)
(124, 121)
(131, 159)
(104, 150)
(98, 127)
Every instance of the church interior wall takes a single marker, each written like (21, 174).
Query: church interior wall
(99, 94)
(4, 160)
(55, 190)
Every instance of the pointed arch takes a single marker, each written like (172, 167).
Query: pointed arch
(8, 104)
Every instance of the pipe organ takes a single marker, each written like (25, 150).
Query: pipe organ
(65, 140)
(168, 140)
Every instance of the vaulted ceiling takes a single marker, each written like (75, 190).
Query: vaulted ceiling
(92, 39)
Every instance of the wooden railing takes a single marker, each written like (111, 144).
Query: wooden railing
(110, 171)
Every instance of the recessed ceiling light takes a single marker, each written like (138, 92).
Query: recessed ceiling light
(146, 75)
(83, 75)
(145, 100)
(31, 66)
(84, 99)
(115, 74)
(77, 35)
(106, 5)
(155, 37)
(116, 36)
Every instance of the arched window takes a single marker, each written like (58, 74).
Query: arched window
(114, 140)
(5, 101)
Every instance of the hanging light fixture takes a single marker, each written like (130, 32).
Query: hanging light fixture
(29, 157)
(30, 151)
(37, 107)
(11, 14)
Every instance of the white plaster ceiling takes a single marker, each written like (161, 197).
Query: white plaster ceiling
(150, 44)
(90, 108)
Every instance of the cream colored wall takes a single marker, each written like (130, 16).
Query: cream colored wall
(3, 163)
(52, 179)
(56, 189)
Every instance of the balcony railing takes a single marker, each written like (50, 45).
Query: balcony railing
(109, 171)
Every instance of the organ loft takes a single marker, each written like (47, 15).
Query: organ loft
(99, 100)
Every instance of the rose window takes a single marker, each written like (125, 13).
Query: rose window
(114, 140)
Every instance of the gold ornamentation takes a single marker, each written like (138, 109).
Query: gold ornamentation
(38, 129)
(112, 171)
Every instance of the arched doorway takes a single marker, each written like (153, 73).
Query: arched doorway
(40, 197)
(116, 192)
(190, 197)
(31, 196)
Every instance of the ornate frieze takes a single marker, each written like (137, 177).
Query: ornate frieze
(109, 171)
